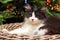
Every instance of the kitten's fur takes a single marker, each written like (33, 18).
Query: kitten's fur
(36, 23)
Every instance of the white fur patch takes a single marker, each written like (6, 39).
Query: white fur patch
(33, 17)
(41, 32)
(28, 30)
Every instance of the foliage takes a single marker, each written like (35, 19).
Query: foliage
(39, 3)
(4, 15)
(5, 1)
(1, 19)
(53, 9)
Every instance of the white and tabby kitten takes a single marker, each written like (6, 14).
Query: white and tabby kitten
(33, 21)
(36, 23)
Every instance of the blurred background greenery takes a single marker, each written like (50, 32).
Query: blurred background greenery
(14, 8)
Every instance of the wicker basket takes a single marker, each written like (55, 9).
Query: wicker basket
(7, 36)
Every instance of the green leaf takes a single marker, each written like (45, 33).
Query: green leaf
(48, 12)
(4, 1)
(1, 16)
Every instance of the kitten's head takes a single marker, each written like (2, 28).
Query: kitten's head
(35, 16)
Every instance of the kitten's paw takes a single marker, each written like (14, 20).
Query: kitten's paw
(5, 30)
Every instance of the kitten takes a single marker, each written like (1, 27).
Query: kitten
(34, 19)
(37, 23)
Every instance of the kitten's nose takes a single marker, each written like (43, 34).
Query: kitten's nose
(32, 19)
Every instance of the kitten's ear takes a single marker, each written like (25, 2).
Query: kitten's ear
(42, 9)
(28, 7)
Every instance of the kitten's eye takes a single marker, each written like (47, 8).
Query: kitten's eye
(29, 14)
(39, 15)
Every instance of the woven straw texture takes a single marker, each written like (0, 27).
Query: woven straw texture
(7, 36)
